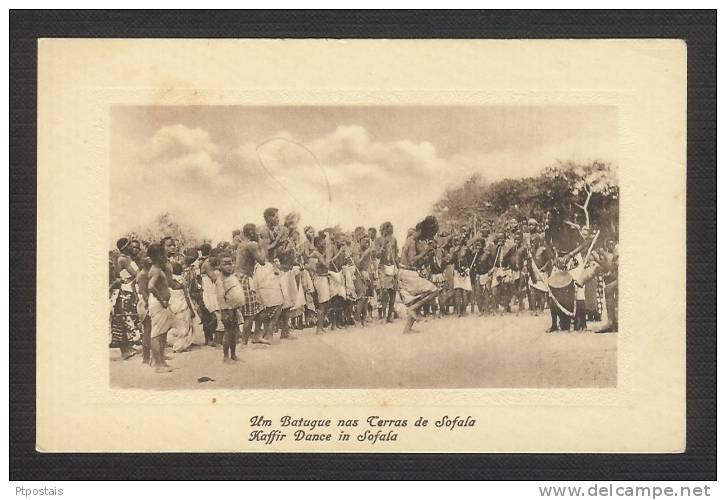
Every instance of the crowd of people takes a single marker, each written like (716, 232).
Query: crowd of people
(277, 279)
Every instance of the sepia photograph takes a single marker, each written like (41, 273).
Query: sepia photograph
(333, 247)
(416, 254)
(370, 245)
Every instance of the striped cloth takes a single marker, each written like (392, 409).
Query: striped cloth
(252, 303)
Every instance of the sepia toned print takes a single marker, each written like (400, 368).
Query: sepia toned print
(363, 247)
(398, 128)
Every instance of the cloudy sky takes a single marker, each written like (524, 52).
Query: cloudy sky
(218, 167)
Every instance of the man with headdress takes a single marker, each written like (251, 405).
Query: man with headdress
(415, 249)
(416, 291)
(272, 237)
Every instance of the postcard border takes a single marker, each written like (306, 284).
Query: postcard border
(697, 28)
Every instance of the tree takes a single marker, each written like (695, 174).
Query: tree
(466, 204)
(166, 224)
(594, 191)
(586, 194)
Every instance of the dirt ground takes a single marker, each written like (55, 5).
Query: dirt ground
(469, 352)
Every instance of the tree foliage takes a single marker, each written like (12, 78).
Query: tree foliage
(568, 187)
(163, 225)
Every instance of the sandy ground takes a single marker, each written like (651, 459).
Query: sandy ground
(506, 351)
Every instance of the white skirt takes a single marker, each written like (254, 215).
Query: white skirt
(462, 282)
(209, 294)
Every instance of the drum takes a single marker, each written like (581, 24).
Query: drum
(562, 289)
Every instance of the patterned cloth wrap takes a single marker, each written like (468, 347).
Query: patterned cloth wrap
(252, 302)
(124, 319)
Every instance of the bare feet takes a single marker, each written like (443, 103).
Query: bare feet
(163, 369)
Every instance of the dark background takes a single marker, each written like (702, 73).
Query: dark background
(698, 28)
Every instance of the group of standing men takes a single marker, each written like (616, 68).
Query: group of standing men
(273, 278)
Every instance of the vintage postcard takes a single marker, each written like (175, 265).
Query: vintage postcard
(361, 245)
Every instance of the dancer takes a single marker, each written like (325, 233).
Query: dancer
(417, 291)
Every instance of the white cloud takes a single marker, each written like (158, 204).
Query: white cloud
(220, 188)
